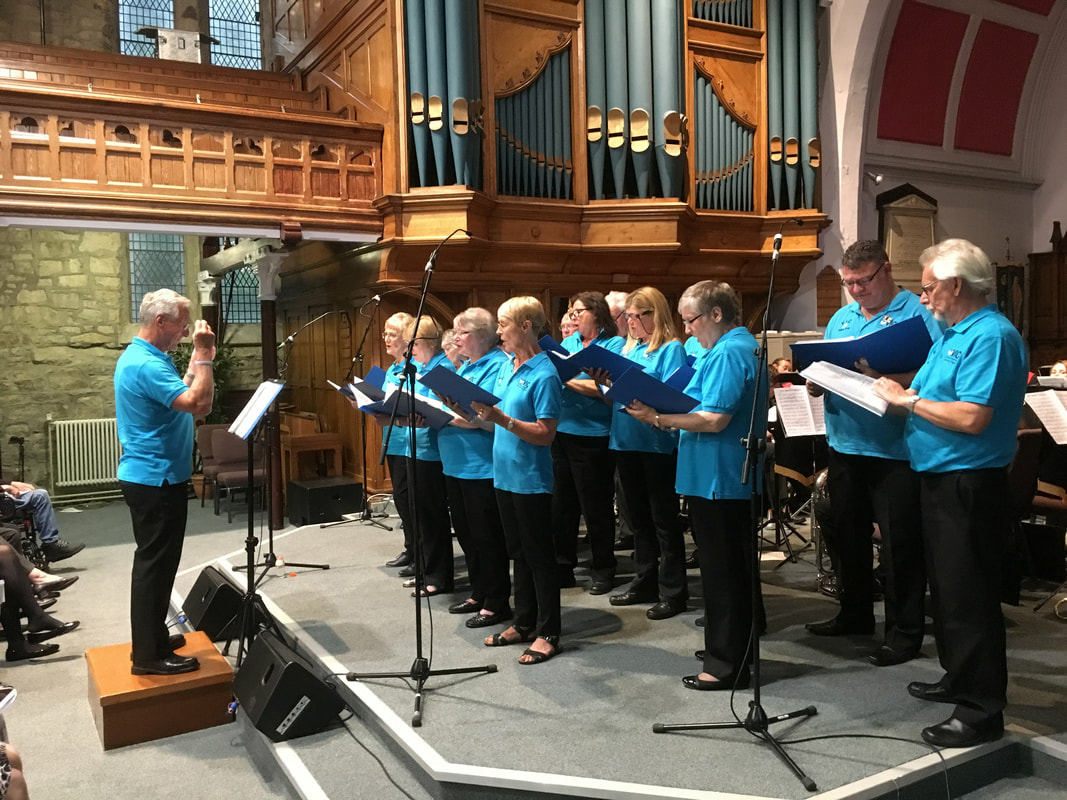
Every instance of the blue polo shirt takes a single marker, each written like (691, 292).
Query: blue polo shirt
(710, 464)
(694, 349)
(468, 454)
(854, 430)
(398, 440)
(981, 359)
(529, 393)
(426, 438)
(628, 433)
(157, 440)
(581, 415)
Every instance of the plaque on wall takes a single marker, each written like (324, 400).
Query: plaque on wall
(906, 228)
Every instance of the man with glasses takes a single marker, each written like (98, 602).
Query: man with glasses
(869, 479)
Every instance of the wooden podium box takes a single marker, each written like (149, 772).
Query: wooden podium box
(129, 709)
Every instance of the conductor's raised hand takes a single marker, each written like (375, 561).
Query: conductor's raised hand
(203, 341)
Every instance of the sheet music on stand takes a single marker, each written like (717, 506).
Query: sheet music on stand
(852, 386)
(255, 408)
(799, 412)
(1051, 408)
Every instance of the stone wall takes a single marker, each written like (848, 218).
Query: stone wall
(88, 24)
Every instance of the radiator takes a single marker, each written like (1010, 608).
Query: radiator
(84, 454)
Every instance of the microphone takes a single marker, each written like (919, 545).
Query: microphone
(777, 243)
(288, 340)
(433, 256)
(377, 299)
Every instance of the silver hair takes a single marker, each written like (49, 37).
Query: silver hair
(705, 296)
(616, 301)
(162, 301)
(958, 258)
(480, 322)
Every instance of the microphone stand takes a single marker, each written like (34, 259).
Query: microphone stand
(757, 722)
(365, 516)
(420, 668)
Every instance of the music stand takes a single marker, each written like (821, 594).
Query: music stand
(243, 426)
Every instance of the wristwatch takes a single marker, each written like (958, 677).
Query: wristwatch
(912, 402)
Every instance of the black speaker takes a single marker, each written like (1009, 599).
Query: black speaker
(323, 500)
(1045, 545)
(282, 693)
(213, 605)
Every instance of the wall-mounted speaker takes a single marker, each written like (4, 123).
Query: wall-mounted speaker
(283, 695)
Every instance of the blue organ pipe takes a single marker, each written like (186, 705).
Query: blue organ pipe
(639, 53)
(775, 139)
(700, 141)
(617, 95)
(790, 105)
(437, 106)
(415, 45)
(667, 49)
(474, 70)
(561, 100)
(596, 93)
(458, 84)
(809, 129)
(566, 153)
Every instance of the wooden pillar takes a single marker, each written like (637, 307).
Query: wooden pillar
(267, 265)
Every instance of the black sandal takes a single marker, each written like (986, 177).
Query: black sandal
(537, 657)
(499, 640)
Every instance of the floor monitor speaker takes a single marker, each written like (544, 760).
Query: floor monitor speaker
(213, 605)
(283, 695)
(323, 500)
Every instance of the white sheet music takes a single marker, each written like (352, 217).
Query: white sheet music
(1049, 407)
(255, 408)
(800, 413)
(853, 386)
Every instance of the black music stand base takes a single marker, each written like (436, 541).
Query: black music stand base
(758, 724)
(420, 671)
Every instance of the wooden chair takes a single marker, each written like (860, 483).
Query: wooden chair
(209, 466)
(231, 455)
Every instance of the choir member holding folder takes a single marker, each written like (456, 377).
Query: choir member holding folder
(396, 455)
(525, 420)
(646, 460)
(583, 464)
(466, 448)
(711, 461)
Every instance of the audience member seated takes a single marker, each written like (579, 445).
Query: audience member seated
(28, 496)
(20, 600)
(12, 784)
(44, 584)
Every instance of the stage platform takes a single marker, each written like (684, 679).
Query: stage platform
(581, 725)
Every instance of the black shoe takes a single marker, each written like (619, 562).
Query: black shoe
(42, 589)
(700, 622)
(60, 549)
(31, 651)
(665, 609)
(46, 595)
(956, 733)
(468, 606)
(624, 542)
(694, 682)
(407, 572)
(485, 620)
(631, 598)
(176, 641)
(175, 665)
(886, 656)
(840, 627)
(566, 577)
(693, 561)
(698, 655)
(934, 692)
(47, 602)
(602, 585)
(401, 560)
(51, 633)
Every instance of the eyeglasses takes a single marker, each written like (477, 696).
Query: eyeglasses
(864, 282)
(459, 333)
(691, 320)
(575, 313)
(638, 315)
(928, 288)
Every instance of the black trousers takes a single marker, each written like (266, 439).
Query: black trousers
(583, 471)
(964, 523)
(476, 518)
(863, 490)
(647, 481)
(537, 605)
(435, 527)
(398, 474)
(158, 514)
(722, 531)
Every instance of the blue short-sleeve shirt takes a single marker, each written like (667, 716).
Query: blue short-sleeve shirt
(694, 350)
(426, 438)
(854, 430)
(157, 440)
(628, 433)
(529, 393)
(980, 359)
(398, 439)
(467, 453)
(581, 415)
(710, 464)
